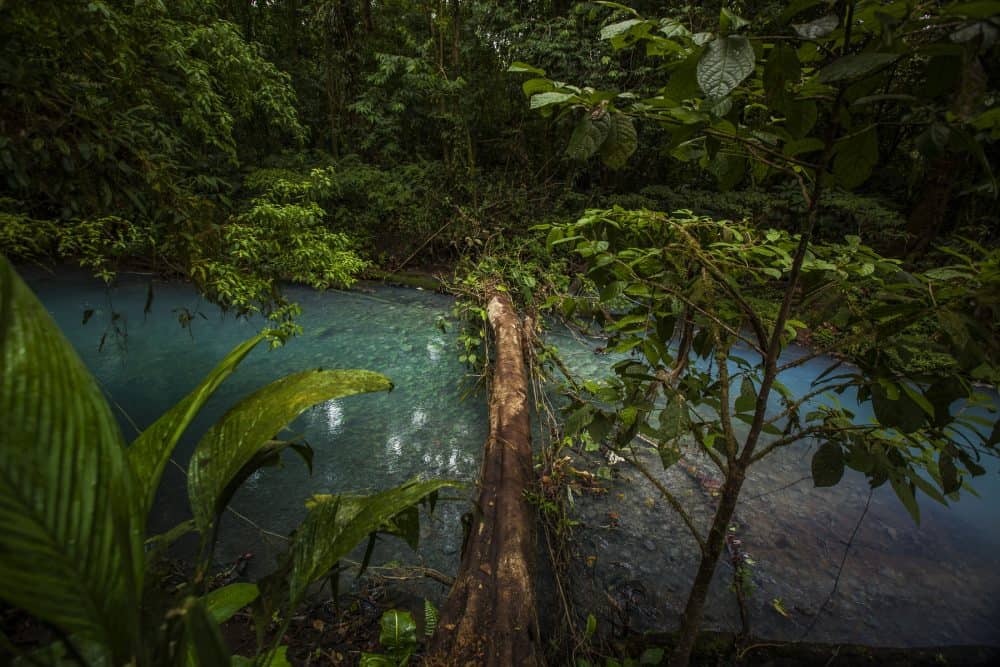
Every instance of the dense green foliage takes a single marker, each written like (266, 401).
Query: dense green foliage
(695, 177)
(130, 131)
(75, 500)
(691, 288)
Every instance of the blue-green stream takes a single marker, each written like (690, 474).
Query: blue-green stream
(902, 584)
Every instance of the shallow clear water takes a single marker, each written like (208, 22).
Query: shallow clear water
(902, 584)
(362, 443)
(938, 583)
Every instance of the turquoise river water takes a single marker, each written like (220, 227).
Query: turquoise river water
(933, 584)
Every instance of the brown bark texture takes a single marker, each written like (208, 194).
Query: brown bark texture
(490, 616)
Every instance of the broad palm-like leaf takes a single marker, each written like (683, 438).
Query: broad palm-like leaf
(223, 603)
(202, 637)
(336, 524)
(70, 547)
(233, 442)
(150, 452)
(217, 607)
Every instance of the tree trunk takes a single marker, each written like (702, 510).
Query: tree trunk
(490, 617)
(456, 36)
(714, 544)
(332, 101)
(928, 215)
(366, 16)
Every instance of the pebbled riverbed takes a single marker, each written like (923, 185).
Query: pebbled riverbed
(901, 585)
(933, 584)
(362, 443)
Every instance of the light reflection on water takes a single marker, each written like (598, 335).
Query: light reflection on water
(938, 583)
(362, 443)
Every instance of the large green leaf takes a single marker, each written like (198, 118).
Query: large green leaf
(620, 143)
(207, 613)
(519, 67)
(620, 28)
(828, 464)
(223, 603)
(234, 440)
(855, 66)
(398, 635)
(336, 524)
(588, 135)
(724, 65)
(855, 157)
(821, 27)
(800, 117)
(728, 169)
(896, 409)
(151, 451)
(674, 419)
(796, 7)
(70, 548)
(905, 492)
(781, 70)
(202, 638)
(545, 99)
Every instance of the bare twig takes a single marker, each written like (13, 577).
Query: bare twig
(840, 570)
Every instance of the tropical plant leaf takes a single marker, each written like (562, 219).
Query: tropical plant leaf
(430, 618)
(149, 453)
(203, 640)
(855, 157)
(620, 143)
(222, 603)
(535, 86)
(899, 412)
(855, 66)
(588, 135)
(620, 28)
(828, 464)
(519, 67)
(728, 170)
(904, 491)
(71, 550)
(821, 27)
(747, 399)
(545, 99)
(398, 634)
(727, 61)
(233, 442)
(781, 70)
(950, 479)
(157, 545)
(674, 419)
(800, 116)
(336, 524)
(796, 7)
(269, 455)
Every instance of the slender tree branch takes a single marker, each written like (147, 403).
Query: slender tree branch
(805, 433)
(795, 405)
(721, 278)
(669, 497)
(725, 415)
(840, 570)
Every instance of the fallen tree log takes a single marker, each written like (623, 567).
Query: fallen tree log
(490, 615)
